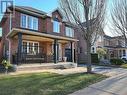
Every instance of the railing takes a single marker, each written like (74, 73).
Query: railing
(28, 56)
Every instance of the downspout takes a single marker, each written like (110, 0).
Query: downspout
(9, 51)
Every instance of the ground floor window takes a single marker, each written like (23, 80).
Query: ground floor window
(124, 52)
(30, 47)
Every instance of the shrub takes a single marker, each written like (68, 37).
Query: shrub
(11, 68)
(117, 61)
(7, 67)
(94, 58)
(101, 52)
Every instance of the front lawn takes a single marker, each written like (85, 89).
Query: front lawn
(46, 83)
(124, 66)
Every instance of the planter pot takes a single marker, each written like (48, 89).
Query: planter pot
(65, 59)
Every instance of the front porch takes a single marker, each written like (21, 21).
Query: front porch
(28, 47)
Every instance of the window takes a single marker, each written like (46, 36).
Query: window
(69, 32)
(56, 26)
(30, 47)
(93, 50)
(124, 53)
(35, 23)
(23, 21)
(29, 22)
(81, 50)
(24, 47)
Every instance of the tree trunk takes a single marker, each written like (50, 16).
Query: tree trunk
(89, 69)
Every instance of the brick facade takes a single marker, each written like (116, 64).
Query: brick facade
(45, 25)
(0, 50)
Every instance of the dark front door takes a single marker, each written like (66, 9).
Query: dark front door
(68, 54)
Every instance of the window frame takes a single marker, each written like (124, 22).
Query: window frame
(56, 24)
(27, 22)
(28, 48)
(21, 24)
(124, 52)
(69, 31)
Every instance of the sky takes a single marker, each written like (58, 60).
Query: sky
(49, 5)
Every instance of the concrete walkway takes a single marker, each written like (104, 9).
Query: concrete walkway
(58, 71)
(115, 85)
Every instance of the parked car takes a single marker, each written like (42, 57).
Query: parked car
(124, 58)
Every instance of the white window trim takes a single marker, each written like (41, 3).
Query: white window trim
(22, 19)
(32, 44)
(57, 28)
(27, 21)
(69, 29)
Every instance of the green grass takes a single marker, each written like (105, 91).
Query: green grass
(124, 66)
(46, 83)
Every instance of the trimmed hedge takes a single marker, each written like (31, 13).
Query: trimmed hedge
(94, 58)
(117, 61)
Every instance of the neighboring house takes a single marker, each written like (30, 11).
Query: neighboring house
(33, 36)
(115, 47)
(82, 46)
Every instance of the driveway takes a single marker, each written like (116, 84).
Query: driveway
(115, 85)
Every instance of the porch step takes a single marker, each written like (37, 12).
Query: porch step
(33, 67)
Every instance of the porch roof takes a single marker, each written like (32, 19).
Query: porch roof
(30, 32)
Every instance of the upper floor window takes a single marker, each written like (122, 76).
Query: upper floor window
(56, 26)
(23, 21)
(69, 32)
(35, 23)
(29, 22)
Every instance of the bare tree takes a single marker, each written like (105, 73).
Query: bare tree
(119, 18)
(89, 11)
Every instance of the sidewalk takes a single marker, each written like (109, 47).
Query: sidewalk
(115, 85)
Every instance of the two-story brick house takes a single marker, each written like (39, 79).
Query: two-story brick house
(31, 35)
(115, 46)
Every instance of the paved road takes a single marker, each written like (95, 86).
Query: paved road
(115, 85)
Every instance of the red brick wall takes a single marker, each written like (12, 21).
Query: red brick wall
(81, 47)
(45, 25)
(16, 20)
(49, 24)
(0, 51)
(5, 31)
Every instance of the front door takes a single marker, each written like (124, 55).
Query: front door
(68, 54)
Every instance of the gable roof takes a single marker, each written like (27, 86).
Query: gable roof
(107, 37)
(31, 9)
(57, 9)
